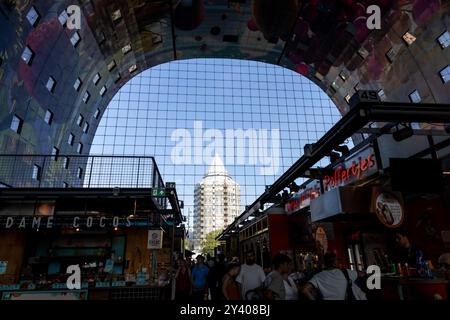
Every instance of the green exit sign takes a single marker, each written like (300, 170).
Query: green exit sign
(158, 192)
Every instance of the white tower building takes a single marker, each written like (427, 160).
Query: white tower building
(217, 202)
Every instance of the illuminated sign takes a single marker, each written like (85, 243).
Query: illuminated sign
(37, 222)
(358, 167)
(302, 198)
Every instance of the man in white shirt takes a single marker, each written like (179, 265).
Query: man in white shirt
(332, 282)
(251, 275)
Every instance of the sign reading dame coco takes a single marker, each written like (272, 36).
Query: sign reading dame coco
(155, 239)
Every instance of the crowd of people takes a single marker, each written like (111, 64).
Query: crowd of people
(219, 279)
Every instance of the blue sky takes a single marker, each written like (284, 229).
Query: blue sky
(220, 94)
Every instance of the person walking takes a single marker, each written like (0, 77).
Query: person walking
(251, 276)
(183, 281)
(230, 288)
(200, 280)
(216, 274)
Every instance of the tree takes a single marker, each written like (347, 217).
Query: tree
(210, 242)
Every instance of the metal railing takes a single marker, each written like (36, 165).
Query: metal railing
(78, 171)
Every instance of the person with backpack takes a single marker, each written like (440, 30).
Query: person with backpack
(334, 283)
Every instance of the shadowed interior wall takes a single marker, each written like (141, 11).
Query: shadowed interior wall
(326, 41)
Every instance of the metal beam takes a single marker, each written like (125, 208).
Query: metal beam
(354, 120)
(172, 25)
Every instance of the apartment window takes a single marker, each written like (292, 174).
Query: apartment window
(63, 17)
(390, 55)
(103, 91)
(80, 120)
(117, 78)
(100, 35)
(65, 185)
(86, 97)
(409, 38)
(319, 76)
(55, 153)
(445, 74)
(50, 84)
(343, 75)
(86, 127)
(27, 55)
(347, 98)
(75, 39)
(444, 40)
(33, 16)
(415, 97)
(363, 53)
(36, 175)
(77, 84)
(71, 139)
(132, 68)
(111, 65)
(96, 79)
(66, 162)
(116, 15)
(48, 118)
(16, 124)
(97, 114)
(80, 148)
(80, 173)
(335, 86)
(126, 49)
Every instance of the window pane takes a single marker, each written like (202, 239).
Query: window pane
(63, 17)
(415, 97)
(16, 124)
(75, 39)
(50, 84)
(48, 117)
(86, 97)
(80, 120)
(96, 78)
(36, 175)
(27, 55)
(444, 40)
(445, 74)
(33, 16)
(71, 139)
(77, 84)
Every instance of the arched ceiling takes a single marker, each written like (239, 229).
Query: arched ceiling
(324, 40)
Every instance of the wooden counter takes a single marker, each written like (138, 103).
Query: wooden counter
(405, 288)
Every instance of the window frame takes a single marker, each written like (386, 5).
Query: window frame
(48, 117)
(17, 129)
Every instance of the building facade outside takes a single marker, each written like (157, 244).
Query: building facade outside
(217, 202)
